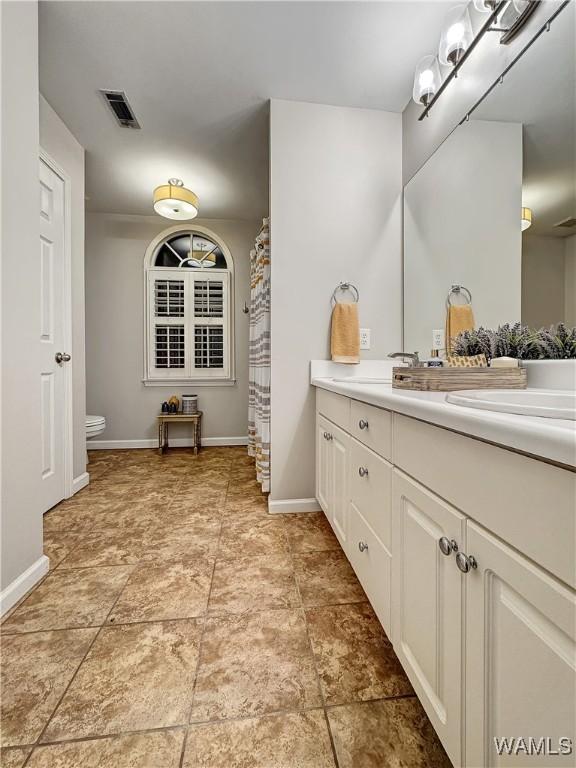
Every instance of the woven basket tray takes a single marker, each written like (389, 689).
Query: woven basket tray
(451, 379)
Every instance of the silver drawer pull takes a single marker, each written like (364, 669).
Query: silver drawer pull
(362, 546)
(363, 424)
(466, 562)
(329, 436)
(445, 545)
(363, 471)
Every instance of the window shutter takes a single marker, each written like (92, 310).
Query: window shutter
(167, 325)
(210, 325)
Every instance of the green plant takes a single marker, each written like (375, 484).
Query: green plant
(517, 340)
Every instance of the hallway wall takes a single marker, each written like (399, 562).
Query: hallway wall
(115, 248)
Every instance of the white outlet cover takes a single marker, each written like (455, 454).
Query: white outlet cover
(365, 338)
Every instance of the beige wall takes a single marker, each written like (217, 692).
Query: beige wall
(115, 248)
(335, 216)
(543, 280)
(62, 147)
(21, 517)
(570, 280)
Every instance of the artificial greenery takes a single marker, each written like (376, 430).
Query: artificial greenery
(517, 340)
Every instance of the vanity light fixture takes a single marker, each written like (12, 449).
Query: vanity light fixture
(456, 36)
(427, 80)
(175, 201)
(526, 218)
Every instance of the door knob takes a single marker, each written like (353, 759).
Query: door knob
(466, 562)
(362, 546)
(62, 357)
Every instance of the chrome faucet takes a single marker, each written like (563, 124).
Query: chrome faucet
(412, 356)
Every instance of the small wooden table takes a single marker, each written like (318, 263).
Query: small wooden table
(164, 419)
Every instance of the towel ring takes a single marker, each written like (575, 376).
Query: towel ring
(458, 290)
(346, 287)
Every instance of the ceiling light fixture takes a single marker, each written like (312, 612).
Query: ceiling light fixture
(526, 218)
(456, 36)
(174, 201)
(426, 80)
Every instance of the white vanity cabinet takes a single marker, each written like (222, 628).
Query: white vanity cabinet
(467, 552)
(520, 656)
(332, 475)
(427, 604)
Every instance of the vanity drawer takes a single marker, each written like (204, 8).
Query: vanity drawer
(372, 565)
(371, 490)
(334, 407)
(372, 426)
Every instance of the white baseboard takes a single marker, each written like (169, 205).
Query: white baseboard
(24, 583)
(177, 442)
(289, 506)
(80, 482)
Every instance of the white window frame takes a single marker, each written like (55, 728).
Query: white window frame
(189, 375)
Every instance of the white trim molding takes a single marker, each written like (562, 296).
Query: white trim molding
(16, 590)
(177, 442)
(80, 482)
(290, 506)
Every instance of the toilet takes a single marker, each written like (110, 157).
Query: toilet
(95, 425)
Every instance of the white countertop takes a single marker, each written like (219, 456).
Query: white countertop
(553, 439)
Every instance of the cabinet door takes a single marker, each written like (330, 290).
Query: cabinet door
(520, 658)
(427, 595)
(339, 500)
(323, 465)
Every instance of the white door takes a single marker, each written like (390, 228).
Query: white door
(520, 660)
(427, 596)
(323, 466)
(53, 374)
(339, 496)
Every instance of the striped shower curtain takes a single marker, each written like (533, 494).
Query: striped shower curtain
(259, 382)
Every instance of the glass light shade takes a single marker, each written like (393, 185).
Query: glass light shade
(456, 36)
(526, 218)
(485, 6)
(174, 201)
(426, 80)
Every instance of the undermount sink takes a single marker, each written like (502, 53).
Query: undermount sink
(549, 403)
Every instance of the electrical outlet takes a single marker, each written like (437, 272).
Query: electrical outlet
(364, 338)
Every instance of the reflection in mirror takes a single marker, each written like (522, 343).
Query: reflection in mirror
(464, 209)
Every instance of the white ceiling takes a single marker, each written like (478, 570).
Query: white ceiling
(198, 76)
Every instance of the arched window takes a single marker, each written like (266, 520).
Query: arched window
(189, 290)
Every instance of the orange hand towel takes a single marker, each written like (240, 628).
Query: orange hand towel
(459, 317)
(345, 333)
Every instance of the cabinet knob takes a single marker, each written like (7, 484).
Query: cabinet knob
(363, 424)
(328, 436)
(363, 471)
(466, 562)
(445, 545)
(362, 546)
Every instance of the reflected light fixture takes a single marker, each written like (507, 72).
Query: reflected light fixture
(456, 36)
(485, 6)
(426, 80)
(526, 218)
(175, 201)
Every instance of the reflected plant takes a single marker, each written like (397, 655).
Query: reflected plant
(519, 341)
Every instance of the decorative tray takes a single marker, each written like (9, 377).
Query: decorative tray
(451, 379)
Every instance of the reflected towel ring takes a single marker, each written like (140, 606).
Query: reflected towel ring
(346, 287)
(458, 290)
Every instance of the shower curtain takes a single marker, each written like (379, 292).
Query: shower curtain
(259, 377)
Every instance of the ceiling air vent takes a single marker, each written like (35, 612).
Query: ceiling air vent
(123, 113)
(568, 223)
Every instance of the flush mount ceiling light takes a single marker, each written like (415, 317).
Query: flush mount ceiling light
(526, 218)
(426, 80)
(174, 201)
(456, 36)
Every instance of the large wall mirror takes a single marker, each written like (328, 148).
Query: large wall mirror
(464, 209)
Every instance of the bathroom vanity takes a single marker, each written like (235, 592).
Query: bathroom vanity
(461, 527)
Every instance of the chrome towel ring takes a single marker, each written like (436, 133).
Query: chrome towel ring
(343, 287)
(458, 290)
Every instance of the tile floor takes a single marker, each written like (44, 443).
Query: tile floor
(181, 626)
